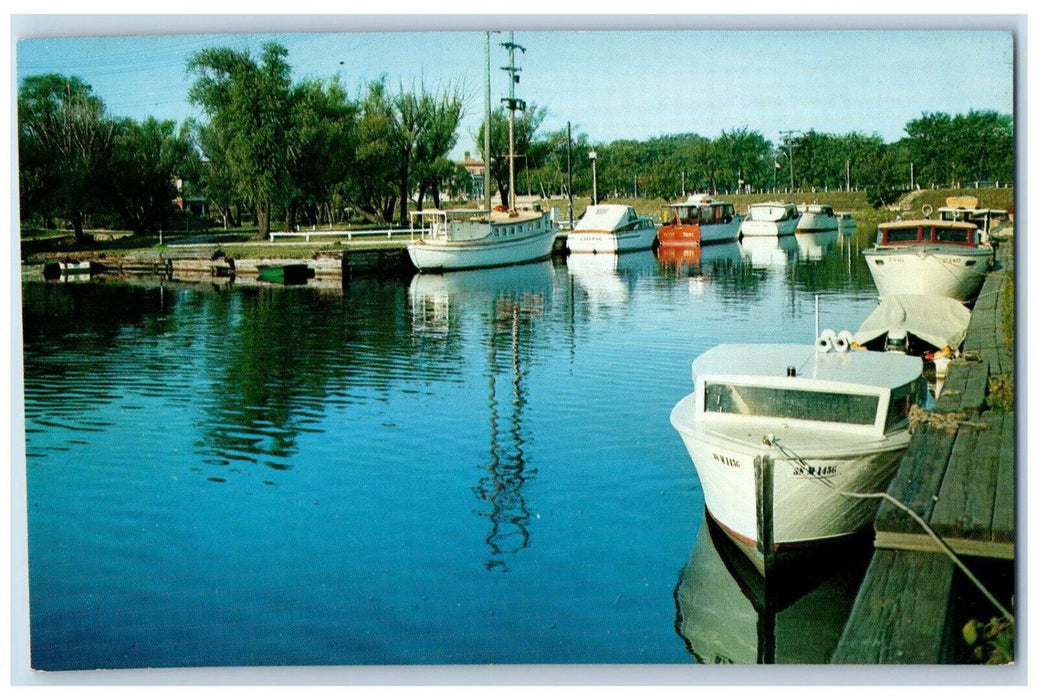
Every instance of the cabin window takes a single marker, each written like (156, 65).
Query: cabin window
(952, 235)
(901, 235)
(797, 404)
(901, 401)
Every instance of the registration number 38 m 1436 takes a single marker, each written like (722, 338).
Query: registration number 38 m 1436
(812, 471)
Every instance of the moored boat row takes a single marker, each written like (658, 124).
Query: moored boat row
(792, 443)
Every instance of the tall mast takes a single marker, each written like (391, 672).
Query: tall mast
(513, 104)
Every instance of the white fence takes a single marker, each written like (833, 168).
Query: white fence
(343, 233)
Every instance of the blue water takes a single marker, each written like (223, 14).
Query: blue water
(470, 468)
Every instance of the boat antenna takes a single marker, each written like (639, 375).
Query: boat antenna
(513, 104)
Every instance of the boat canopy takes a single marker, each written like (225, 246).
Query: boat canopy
(608, 217)
(939, 321)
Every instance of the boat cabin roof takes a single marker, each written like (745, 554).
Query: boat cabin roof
(916, 223)
(704, 200)
(766, 362)
(817, 208)
(606, 217)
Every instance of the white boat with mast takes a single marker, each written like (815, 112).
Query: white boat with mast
(459, 239)
(783, 435)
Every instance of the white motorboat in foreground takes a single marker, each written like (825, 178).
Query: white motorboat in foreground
(771, 219)
(611, 228)
(929, 257)
(816, 218)
(831, 423)
(456, 239)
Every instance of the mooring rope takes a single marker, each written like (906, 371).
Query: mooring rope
(790, 454)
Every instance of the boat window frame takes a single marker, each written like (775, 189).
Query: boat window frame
(789, 399)
(880, 394)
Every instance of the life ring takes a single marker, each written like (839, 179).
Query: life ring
(927, 210)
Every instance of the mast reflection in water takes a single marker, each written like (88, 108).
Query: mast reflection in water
(515, 298)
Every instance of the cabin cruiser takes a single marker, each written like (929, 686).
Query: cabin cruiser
(771, 219)
(816, 218)
(930, 257)
(611, 228)
(697, 221)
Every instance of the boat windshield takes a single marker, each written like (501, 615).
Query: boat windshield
(775, 402)
(899, 235)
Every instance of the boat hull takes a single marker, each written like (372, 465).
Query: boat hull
(807, 506)
(956, 274)
(690, 235)
(815, 222)
(757, 227)
(611, 242)
(439, 256)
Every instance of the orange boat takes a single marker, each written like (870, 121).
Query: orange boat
(699, 220)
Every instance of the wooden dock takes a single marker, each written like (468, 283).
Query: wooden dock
(959, 474)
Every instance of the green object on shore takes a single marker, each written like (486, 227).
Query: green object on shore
(284, 274)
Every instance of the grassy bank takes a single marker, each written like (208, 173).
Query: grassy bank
(246, 242)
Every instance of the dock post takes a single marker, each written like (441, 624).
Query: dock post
(763, 474)
(764, 480)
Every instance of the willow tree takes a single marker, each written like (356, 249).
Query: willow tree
(249, 107)
(65, 141)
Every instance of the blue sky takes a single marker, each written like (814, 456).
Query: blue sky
(608, 83)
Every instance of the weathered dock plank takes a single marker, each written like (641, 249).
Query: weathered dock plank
(917, 481)
(964, 388)
(901, 613)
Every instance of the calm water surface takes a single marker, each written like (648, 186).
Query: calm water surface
(468, 468)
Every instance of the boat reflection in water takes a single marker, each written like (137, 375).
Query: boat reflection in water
(727, 614)
(769, 251)
(606, 278)
(815, 246)
(511, 298)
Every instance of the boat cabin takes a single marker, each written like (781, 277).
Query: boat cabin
(611, 218)
(860, 391)
(824, 209)
(927, 232)
(698, 211)
(773, 211)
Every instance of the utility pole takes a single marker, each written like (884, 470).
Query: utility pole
(569, 170)
(787, 136)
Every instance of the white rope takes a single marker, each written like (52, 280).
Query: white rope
(790, 454)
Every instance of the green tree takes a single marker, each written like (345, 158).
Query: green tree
(323, 136)
(146, 159)
(249, 106)
(65, 141)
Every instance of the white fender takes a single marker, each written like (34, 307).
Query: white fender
(825, 341)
